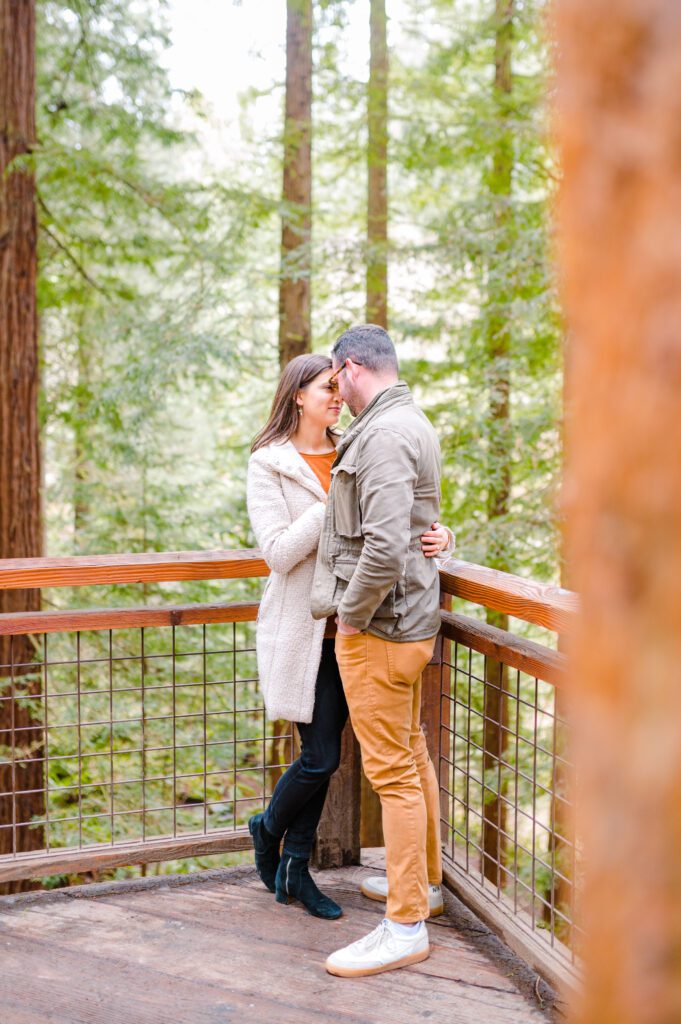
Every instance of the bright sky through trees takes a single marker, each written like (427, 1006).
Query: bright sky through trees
(222, 48)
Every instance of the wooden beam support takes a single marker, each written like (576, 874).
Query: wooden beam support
(149, 851)
(21, 623)
(338, 843)
(525, 655)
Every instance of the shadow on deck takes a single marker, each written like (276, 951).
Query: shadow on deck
(216, 948)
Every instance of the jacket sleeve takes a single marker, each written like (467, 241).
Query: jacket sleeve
(386, 478)
(284, 542)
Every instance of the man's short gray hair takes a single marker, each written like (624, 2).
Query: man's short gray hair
(369, 345)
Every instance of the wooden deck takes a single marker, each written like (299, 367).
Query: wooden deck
(216, 948)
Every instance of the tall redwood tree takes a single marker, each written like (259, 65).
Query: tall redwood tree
(500, 439)
(21, 768)
(377, 159)
(294, 286)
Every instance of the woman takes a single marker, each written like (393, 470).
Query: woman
(289, 475)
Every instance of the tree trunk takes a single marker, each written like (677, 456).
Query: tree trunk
(294, 287)
(619, 128)
(81, 495)
(377, 206)
(21, 752)
(377, 272)
(559, 910)
(500, 440)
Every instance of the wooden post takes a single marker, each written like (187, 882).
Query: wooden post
(619, 129)
(371, 821)
(435, 686)
(430, 702)
(338, 833)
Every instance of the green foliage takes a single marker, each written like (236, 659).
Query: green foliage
(148, 289)
(158, 295)
(154, 307)
(482, 274)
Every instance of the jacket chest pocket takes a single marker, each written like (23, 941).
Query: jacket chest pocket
(347, 519)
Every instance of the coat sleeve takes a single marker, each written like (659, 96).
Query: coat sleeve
(284, 542)
(387, 473)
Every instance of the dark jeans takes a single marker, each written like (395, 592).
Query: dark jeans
(298, 799)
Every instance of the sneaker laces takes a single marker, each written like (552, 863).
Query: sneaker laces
(373, 939)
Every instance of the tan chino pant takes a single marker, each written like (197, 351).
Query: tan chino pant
(382, 683)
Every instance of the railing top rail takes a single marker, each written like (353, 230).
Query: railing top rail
(539, 603)
(149, 567)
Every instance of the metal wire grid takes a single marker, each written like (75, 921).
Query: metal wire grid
(505, 783)
(139, 733)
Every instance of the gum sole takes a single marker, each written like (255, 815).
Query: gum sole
(381, 899)
(372, 895)
(363, 972)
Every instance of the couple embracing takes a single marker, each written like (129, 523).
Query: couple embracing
(348, 527)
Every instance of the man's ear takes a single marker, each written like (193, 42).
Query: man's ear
(352, 369)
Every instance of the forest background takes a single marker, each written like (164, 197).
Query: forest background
(160, 268)
(382, 162)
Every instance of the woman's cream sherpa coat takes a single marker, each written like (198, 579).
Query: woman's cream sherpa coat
(286, 506)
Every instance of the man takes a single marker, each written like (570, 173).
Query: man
(371, 572)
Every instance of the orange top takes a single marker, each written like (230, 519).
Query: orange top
(321, 467)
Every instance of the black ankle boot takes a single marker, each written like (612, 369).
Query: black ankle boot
(266, 851)
(294, 882)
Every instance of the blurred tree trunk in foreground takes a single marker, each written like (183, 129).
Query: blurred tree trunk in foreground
(619, 128)
(20, 519)
(294, 286)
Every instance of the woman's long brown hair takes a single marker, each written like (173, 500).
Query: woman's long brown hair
(283, 419)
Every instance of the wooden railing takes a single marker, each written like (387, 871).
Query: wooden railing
(505, 769)
(147, 734)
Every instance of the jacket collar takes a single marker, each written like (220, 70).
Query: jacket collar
(393, 396)
(287, 460)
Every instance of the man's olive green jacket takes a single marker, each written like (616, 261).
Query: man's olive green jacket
(385, 493)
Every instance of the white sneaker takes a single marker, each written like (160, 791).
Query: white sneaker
(379, 951)
(376, 888)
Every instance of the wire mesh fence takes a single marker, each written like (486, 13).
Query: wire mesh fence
(127, 735)
(506, 793)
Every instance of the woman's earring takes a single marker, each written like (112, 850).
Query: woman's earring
(300, 410)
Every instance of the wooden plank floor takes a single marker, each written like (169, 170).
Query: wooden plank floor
(216, 948)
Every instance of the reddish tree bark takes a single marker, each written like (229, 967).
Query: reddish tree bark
(377, 159)
(294, 287)
(619, 127)
(377, 271)
(20, 519)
